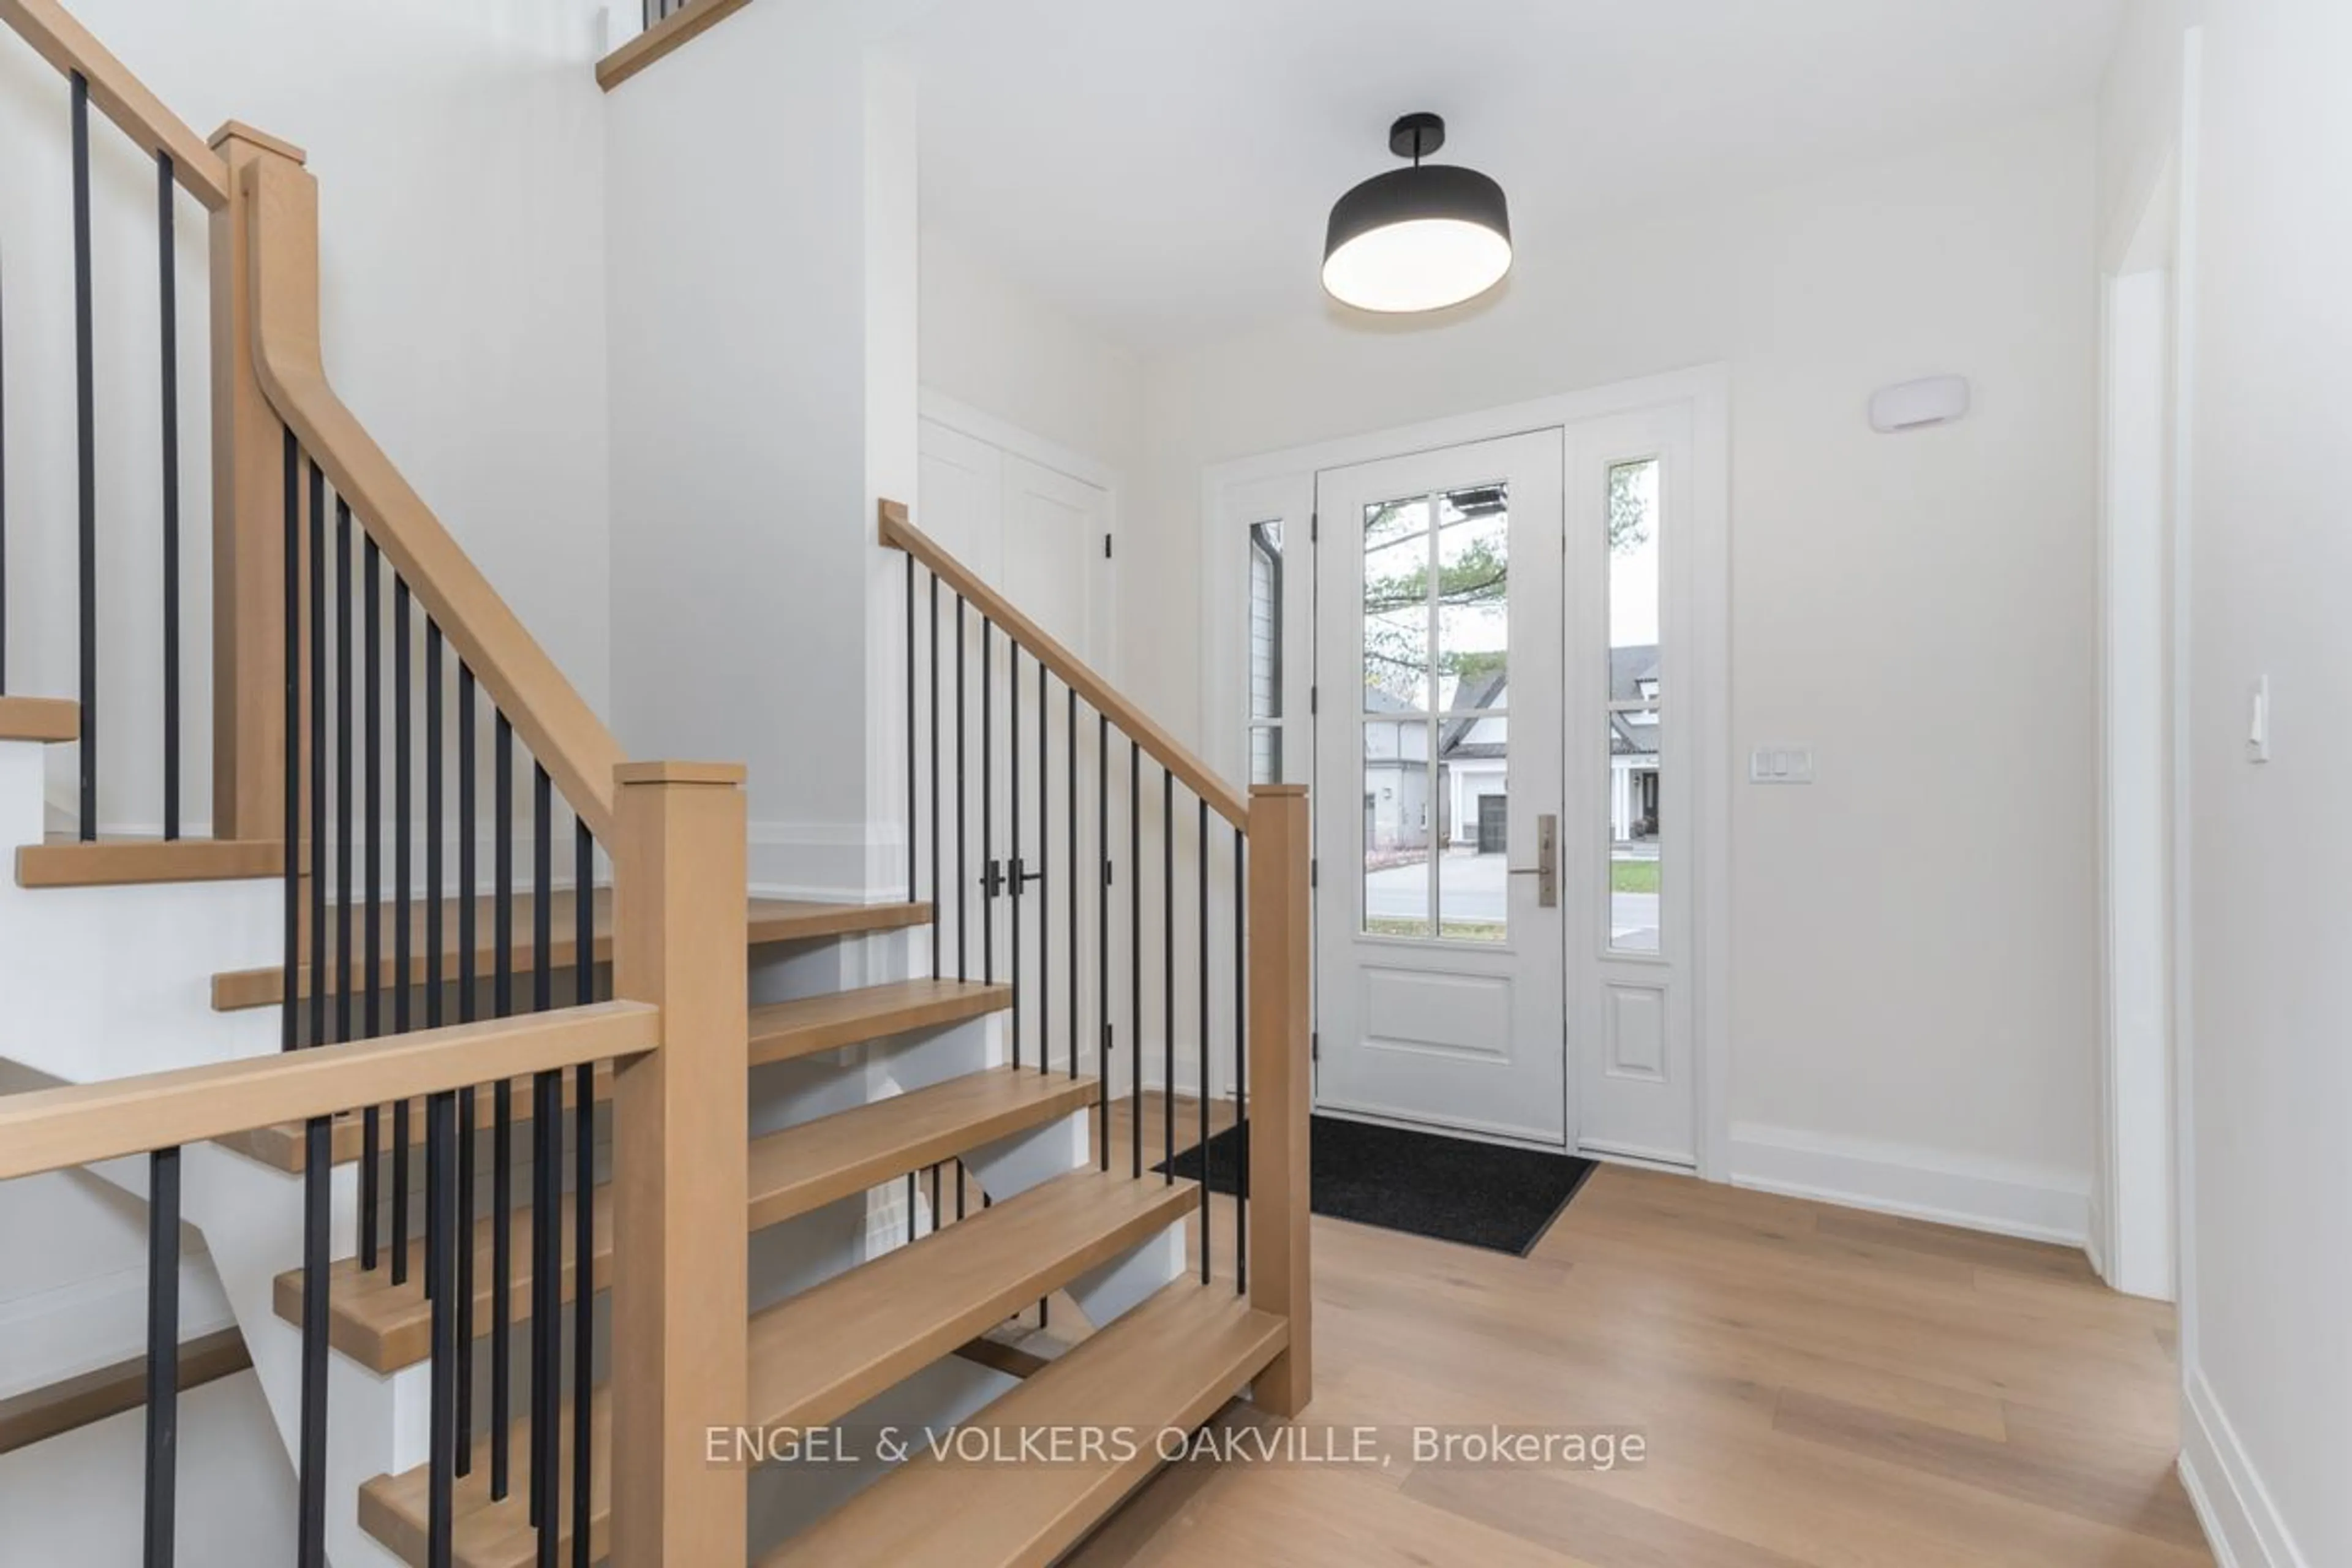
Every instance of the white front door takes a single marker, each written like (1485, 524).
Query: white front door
(1438, 753)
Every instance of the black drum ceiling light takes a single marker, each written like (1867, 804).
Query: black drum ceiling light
(1420, 239)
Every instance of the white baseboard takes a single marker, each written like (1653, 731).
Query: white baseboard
(2241, 1521)
(828, 862)
(2037, 1202)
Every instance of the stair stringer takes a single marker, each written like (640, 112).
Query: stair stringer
(107, 982)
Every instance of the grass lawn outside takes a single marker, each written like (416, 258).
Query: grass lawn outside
(1455, 930)
(1633, 876)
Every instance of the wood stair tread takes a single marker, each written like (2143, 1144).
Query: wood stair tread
(768, 922)
(396, 1510)
(386, 1327)
(804, 1167)
(821, 1353)
(44, 721)
(1170, 1364)
(285, 1145)
(66, 861)
(782, 1031)
(877, 1322)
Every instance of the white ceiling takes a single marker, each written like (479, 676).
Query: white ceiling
(1162, 168)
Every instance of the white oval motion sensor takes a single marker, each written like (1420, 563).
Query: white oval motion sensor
(1938, 400)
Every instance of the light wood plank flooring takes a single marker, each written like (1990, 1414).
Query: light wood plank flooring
(1817, 1388)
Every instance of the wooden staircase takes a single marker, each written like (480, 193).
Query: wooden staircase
(658, 1083)
(816, 1355)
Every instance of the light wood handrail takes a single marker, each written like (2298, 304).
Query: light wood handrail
(79, 1124)
(121, 97)
(900, 534)
(667, 37)
(564, 734)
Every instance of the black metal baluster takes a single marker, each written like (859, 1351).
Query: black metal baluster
(316, 1134)
(318, 1236)
(583, 1184)
(86, 469)
(403, 938)
(963, 870)
(444, 1240)
(912, 804)
(939, 953)
(162, 1353)
(1070, 731)
(988, 805)
(343, 772)
(1044, 880)
(1135, 942)
(436, 891)
(910, 1208)
(288, 1005)
(168, 275)
(1203, 1084)
(547, 1196)
(1103, 1041)
(502, 1111)
(371, 759)
(1168, 972)
(1013, 880)
(469, 1102)
(316, 744)
(1241, 1064)
(433, 886)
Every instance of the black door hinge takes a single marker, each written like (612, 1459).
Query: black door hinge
(1315, 1046)
(1105, 546)
(1314, 872)
(1314, 527)
(1314, 699)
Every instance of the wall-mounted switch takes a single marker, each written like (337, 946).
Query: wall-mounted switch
(1780, 766)
(2258, 724)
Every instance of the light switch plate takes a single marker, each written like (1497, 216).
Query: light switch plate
(1780, 766)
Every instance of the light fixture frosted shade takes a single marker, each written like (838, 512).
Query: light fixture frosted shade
(1417, 239)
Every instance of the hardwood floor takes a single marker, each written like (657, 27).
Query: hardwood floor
(1816, 1386)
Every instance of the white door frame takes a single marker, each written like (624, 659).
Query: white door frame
(1233, 494)
(2139, 1234)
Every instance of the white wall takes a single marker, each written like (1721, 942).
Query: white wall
(2140, 117)
(751, 344)
(2269, 1359)
(462, 209)
(995, 346)
(1914, 957)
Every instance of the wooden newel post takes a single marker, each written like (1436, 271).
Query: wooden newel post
(1281, 1088)
(249, 517)
(680, 1142)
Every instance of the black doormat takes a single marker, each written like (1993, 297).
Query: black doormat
(1451, 1189)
